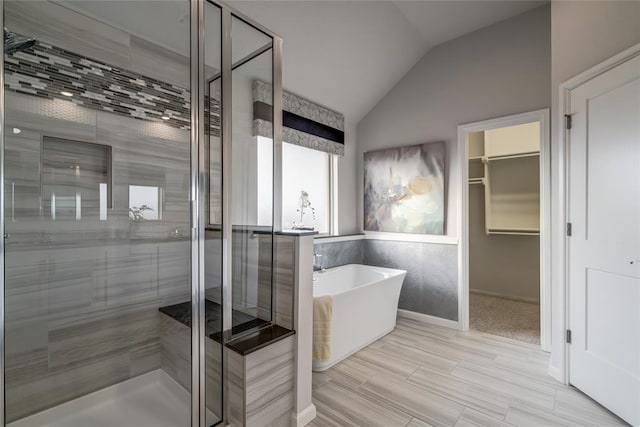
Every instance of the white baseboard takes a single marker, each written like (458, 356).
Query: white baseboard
(555, 373)
(499, 295)
(303, 417)
(438, 321)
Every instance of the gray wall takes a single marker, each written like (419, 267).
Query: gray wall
(497, 71)
(339, 253)
(348, 183)
(501, 265)
(584, 35)
(431, 284)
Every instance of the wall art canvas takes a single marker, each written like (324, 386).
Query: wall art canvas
(404, 189)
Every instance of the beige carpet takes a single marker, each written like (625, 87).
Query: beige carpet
(507, 318)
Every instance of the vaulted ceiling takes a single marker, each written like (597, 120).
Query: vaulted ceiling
(347, 55)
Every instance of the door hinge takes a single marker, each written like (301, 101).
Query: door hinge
(568, 122)
(568, 336)
(569, 229)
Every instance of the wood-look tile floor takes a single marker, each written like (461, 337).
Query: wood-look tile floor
(424, 375)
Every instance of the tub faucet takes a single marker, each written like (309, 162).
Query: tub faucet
(317, 263)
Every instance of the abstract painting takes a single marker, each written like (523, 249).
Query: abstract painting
(404, 189)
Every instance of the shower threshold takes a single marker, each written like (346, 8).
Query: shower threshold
(153, 399)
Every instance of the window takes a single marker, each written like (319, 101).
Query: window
(145, 203)
(306, 188)
(305, 172)
(265, 186)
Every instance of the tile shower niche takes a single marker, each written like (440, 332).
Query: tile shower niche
(76, 180)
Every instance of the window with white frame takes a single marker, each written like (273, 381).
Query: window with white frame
(307, 187)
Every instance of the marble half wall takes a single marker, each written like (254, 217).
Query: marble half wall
(431, 285)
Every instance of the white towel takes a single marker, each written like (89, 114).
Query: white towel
(322, 314)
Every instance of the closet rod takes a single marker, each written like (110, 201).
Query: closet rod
(515, 233)
(513, 156)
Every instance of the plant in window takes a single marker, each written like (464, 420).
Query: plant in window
(137, 213)
(303, 204)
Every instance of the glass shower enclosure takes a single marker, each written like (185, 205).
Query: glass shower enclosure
(138, 228)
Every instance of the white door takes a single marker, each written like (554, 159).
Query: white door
(604, 249)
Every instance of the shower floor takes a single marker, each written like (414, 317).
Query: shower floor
(153, 399)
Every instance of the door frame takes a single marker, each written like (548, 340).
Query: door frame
(560, 348)
(541, 116)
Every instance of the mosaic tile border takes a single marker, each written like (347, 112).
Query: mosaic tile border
(47, 71)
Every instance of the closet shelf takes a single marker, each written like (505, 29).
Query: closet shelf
(513, 156)
(512, 196)
(506, 162)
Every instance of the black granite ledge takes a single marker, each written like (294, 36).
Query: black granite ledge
(259, 339)
(241, 322)
(296, 233)
(254, 324)
(260, 333)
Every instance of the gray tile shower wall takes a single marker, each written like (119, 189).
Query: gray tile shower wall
(431, 284)
(339, 253)
(175, 360)
(82, 294)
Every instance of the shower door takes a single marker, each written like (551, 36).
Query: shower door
(138, 229)
(237, 216)
(98, 156)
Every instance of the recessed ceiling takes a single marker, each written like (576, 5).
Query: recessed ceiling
(345, 55)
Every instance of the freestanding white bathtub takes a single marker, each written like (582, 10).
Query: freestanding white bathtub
(365, 304)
